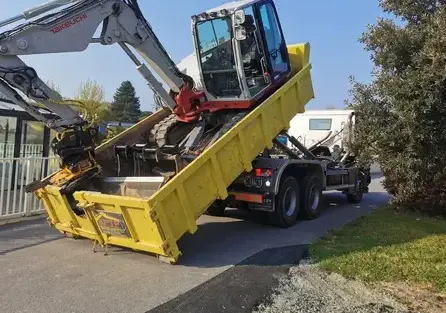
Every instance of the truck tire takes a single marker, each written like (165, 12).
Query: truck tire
(310, 196)
(216, 209)
(356, 197)
(287, 203)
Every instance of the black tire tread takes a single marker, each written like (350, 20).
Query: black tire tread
(277, 217)
(159, 133)
(357, 198)
(306, 211)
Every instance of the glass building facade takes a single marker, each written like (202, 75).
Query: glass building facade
(21, 135)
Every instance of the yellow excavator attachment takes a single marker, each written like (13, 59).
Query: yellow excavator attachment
(147, 214)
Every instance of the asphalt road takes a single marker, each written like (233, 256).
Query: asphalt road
(42, 272)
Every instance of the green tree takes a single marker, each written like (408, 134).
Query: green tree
(92, 97)
(402, 112)
(125, 106)
(114, 131)
(145, 114)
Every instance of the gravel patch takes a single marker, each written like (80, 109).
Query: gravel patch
(308, 289)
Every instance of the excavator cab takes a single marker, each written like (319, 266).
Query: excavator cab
(242, 53)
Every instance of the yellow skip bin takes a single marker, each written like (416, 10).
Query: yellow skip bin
(154, 223)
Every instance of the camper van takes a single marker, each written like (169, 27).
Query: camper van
(314, 126)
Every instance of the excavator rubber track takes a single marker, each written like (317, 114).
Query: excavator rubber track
(170, 130)
(147, 214)
(158, 135)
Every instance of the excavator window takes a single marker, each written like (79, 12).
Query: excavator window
(217, 57)
(275, 43)
(252, 53)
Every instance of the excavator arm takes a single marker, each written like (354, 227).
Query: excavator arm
(72, 29)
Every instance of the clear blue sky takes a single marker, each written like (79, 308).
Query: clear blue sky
(331, 27)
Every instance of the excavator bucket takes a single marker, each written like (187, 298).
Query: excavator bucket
(165, 161)
(152, 213)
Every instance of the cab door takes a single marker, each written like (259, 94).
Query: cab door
(276, 53)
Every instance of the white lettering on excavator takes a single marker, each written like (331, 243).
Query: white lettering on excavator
(69, 23)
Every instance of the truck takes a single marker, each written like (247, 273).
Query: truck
(287, 182)
(218, 131)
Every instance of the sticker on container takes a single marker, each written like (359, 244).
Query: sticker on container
(112, 224)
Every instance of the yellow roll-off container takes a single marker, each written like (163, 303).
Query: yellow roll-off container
(155, 223)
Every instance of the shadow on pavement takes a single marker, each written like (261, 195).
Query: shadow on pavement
(26, 234)
(376, 175)
(375, 171)
(241, 287)
(222, 242)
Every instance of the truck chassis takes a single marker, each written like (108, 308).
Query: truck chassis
(290, 185)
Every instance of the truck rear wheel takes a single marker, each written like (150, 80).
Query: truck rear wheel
(359, 192)
(311, 196)
(286, 204)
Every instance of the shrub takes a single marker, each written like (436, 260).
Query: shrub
(402, 112)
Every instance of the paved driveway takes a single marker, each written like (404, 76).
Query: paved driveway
(42, 272)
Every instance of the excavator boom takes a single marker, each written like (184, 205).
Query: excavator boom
(122, 23)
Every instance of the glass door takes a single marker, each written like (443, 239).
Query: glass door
(275, 43)
(32, 139)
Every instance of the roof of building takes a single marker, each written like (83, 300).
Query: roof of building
(7, 105)
(327, 112)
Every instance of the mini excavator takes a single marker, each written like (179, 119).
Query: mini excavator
(241, 54)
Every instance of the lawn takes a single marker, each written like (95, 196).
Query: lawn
(387, 246)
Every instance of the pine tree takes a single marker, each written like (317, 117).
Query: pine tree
(125, 106)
